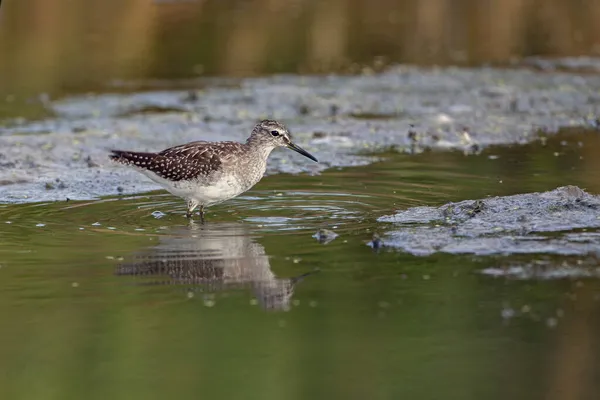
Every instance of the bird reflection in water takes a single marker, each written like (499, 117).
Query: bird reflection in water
(217, 257)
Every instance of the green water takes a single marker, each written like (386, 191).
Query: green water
(364, 324)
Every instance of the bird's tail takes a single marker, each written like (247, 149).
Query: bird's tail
(132, 158)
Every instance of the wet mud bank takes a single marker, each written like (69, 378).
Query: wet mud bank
(340, 119)
(564, 221)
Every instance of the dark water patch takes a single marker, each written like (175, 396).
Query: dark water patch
(373, 116)
(150, 109)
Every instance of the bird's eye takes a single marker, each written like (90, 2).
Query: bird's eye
(275, 133)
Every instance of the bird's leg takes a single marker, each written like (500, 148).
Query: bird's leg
(202, 214)
(191, 205)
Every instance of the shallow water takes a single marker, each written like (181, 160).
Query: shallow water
(122, 298)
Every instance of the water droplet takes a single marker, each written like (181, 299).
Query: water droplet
(40, 225)
(81, 229)
(297, 260)
(75, 284)
(253, 302)
(190, 295)
(9, 222)
(96, 224)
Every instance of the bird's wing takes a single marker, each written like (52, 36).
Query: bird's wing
(189, 161)
(196, 159)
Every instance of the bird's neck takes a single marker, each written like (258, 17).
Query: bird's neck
(258, 148)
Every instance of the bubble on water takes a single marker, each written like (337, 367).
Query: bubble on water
(158, 214)
(190, 295)
(297, 260)
(507, 313)
(253, 302)
(40, 225)
(110, 258)
(209, 302)
(383, 304)
(75, 284)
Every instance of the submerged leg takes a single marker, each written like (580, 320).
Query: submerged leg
(191, 205)
(202, 214)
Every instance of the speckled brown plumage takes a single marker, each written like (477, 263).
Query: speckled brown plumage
(186, 162)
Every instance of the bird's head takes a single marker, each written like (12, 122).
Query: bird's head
(270, 132)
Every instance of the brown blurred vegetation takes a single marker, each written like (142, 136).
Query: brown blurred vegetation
(65, 45)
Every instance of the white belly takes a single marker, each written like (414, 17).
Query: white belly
(203, 194)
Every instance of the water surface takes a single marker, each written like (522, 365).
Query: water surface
(123, 298)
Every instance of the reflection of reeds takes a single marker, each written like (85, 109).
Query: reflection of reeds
(573, 368)
(47, 44)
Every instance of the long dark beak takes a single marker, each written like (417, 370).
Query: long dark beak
(300, 278)
(300, 150)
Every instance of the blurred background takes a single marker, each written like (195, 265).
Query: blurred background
(386, 325)
(58, 46)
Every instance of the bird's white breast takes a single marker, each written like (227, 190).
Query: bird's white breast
(205, 193)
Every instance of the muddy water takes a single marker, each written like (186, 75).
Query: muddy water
(122, 298)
